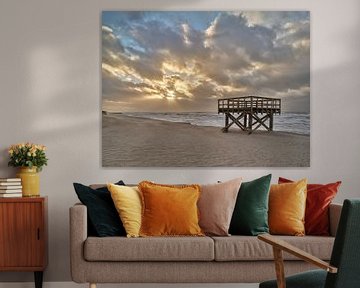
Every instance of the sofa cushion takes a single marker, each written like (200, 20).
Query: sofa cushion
(216, 206)
(149, 249)
(318, 199)
(127, 201)
(287, 204)
(169, 210)
(250, 216)
(244, 248)
(102, 216)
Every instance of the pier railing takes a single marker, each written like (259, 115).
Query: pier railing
(255, 103)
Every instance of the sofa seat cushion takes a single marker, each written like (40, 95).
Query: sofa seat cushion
(244, 248)
(149, 249)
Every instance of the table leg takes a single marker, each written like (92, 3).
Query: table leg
(38, 279)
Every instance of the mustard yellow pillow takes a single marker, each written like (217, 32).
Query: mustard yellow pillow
(127, 201)
(169, 210)
(287, 204)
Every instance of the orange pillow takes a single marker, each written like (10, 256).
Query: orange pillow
(169, 210)
(287, 204)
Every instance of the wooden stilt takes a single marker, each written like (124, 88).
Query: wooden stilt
(250, 122)
(92, 285)
(226, 128)
(234, 120)
(261, 121)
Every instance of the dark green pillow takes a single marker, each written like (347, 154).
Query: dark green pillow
(102, 215)
(250, 216)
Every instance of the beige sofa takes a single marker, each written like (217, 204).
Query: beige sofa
(234, 259)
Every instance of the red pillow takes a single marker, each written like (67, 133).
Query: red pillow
(318, 200)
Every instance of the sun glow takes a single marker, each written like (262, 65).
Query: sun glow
(170, 95)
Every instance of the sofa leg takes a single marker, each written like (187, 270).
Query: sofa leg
(92, 285)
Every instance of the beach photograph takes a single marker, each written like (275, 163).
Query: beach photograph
(205, 89)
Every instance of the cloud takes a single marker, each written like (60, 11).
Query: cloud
(156, 60)
(111, 46)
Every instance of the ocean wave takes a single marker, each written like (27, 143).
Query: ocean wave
(286, 122)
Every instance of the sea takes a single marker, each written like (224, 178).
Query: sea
(298, 123)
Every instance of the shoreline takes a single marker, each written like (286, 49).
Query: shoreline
(115, 114)
(131, 141)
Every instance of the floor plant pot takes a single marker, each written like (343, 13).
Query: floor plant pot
(30, 181)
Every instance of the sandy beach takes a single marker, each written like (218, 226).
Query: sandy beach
(140, 142)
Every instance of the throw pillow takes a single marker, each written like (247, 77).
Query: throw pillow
(102, 216)
(127, 201)
(216, 206)
(169, 210)
(318, 200)
(287, 204)
(250, 215)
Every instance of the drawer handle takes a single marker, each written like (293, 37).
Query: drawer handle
(38, 234)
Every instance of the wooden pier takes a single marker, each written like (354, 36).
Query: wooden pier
(250, 112)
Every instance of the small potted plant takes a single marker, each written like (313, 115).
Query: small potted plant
(30, 158)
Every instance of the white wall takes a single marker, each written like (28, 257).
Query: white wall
(50, 94)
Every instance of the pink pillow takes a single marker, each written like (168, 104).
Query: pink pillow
(216, 205)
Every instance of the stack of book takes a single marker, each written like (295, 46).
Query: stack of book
(10, 187)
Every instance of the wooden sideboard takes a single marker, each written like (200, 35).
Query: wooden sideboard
(23, 235)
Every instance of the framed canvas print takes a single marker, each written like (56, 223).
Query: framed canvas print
(205, 88)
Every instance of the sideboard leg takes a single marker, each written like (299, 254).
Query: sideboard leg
(38, 279)
(92, 285)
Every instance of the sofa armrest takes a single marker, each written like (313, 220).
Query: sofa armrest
(334, 216)
(78, 235)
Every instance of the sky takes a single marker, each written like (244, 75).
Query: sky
(185, 61)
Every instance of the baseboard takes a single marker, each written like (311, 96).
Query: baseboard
(74, 285)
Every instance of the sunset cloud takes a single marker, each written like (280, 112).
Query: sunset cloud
(184, 61)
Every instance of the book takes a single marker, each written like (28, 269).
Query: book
(10, 183)
(10, 180)
(10, 191)
(2, 195)
(10, 187)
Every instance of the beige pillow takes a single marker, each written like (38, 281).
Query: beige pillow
(216, 205)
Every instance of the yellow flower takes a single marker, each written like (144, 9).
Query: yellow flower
(11, 151)
(41, 147)
(28, 154)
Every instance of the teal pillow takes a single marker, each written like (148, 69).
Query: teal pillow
(250, 216)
